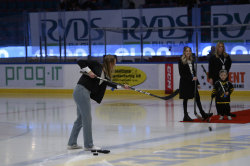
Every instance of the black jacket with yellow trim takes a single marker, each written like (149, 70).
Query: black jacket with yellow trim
(218, 91)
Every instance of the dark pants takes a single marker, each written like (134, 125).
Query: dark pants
(224, 109)
(216, 105)
(198, 102)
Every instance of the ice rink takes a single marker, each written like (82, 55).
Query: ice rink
(139, 130)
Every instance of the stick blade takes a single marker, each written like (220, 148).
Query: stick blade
(176, 92)
(199, 117)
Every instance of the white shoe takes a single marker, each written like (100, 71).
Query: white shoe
(74, 147)
(229, 118)
(221, 117)
(92, 148)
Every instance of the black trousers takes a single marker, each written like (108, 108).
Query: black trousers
(224, 109)
(198, 102)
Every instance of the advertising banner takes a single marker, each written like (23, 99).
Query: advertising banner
(74, 26)
(24, 76)
(236, 39)
(155, 42)
(239, 76)
(169, 77)
(129, 75)
(140, 76)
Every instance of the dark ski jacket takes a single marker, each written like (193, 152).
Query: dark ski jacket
(218, 91)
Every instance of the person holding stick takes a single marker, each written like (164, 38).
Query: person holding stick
(187, 83)
(222, 91)
(89, 88)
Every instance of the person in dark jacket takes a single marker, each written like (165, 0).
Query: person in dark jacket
(222, 91)
(217, 62)
(89, 88)
(211, 53)
(187, 83)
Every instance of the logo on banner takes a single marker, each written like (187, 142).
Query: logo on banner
(228, 19)
(156, 21)
(33, 76)
(169, 78)
(129, 75)
(77, 24)
(237, 79)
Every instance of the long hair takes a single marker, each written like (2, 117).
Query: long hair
(107, 62)
(223, 52)
(183, 57)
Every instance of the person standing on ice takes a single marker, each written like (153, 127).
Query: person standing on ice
(187, 83)
(222, 91)
(89, 88)
(217, 62)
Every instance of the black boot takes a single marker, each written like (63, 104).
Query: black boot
(187, 118)
(209, 114)
(205, 115)
(218, 112)
(233, 115)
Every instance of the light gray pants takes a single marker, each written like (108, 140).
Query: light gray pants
(82, 99)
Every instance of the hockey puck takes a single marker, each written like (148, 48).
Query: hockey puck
(210, 128)
(95, 154)
(103, 151)
(93, 150)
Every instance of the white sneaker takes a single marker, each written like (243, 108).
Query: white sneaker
(229, 118)
(92, 148)
(74, 147)
(221, 117)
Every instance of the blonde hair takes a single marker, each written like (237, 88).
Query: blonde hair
(183, 57)
(107, 62)
(223, 52)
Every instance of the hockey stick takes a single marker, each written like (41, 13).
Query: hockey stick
(223, 90)
(137, 90)
(205, 71)
(195, 82)
(208, 120)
